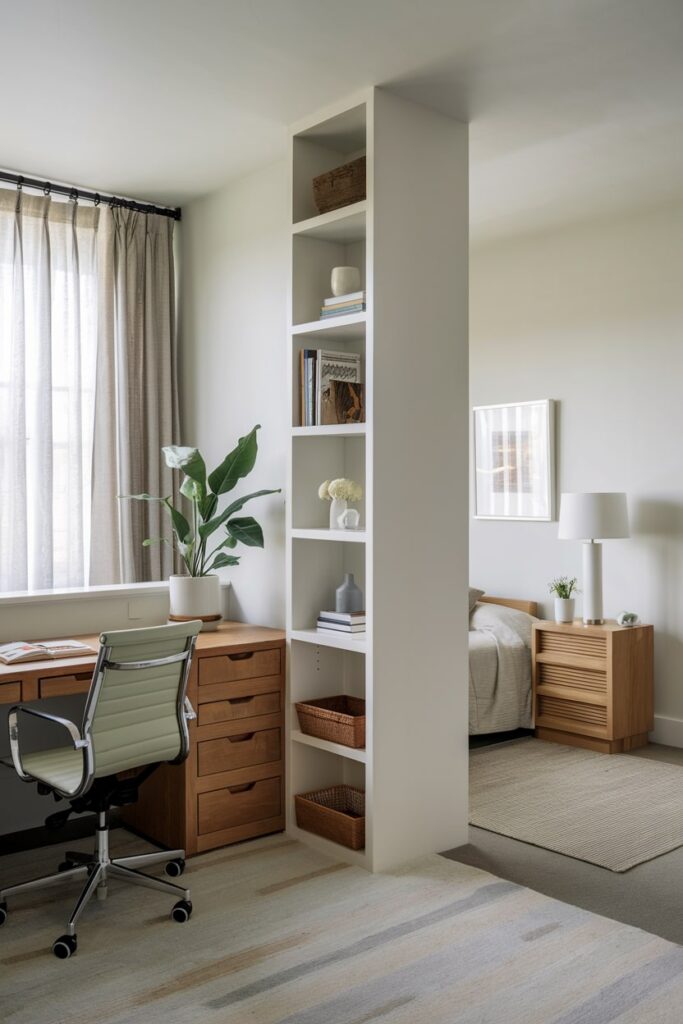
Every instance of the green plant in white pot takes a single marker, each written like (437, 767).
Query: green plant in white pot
(207, 536)
(563, 587)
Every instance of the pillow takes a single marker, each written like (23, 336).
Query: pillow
(492, 617)
(474, 597)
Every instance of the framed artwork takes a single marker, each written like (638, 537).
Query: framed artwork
(514, 461)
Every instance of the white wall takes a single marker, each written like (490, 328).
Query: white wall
(232, 360)
(592, 316)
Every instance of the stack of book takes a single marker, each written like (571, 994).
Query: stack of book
(341, 622)
(330, 388)
(343, 305)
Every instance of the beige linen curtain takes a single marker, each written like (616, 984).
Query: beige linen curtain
(87, 391)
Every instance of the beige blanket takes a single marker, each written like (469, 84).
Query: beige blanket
(500, 669)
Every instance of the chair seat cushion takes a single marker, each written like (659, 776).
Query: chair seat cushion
(61, 767)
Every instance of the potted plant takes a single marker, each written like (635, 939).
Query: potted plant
(205, 538)
(339, 493)
(563, 587)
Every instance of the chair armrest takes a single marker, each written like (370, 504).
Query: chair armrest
(13, 721)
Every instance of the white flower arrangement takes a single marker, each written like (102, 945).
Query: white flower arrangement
(341, 489)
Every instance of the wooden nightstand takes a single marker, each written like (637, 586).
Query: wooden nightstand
(593, 685)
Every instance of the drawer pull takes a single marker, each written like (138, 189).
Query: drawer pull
(241, 656)
(242, 738)
(241, 789)
(240, 700)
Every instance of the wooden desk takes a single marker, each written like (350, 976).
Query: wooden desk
(231, 787)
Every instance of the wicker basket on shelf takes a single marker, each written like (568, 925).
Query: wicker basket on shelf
(336, 813)
(337, 719)
(340, 187)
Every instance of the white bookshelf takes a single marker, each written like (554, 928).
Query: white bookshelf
(409, 555)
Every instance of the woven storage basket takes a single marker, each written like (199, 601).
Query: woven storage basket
(340, 187)
(338, 719)
(336, 813)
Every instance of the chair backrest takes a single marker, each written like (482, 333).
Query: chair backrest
(135, 713)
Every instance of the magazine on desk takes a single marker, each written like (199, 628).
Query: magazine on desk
(14, 653)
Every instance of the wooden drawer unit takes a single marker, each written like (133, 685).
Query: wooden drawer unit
(241, 804)
(593, 685)
(230, 787)
(61, 686)
(10, 693)
(240, 751)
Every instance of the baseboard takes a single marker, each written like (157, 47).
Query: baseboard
(667, 731)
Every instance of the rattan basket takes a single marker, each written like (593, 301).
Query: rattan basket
(337, 719)
(340, 187)
(336, 813)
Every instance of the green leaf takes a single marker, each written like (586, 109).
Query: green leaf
(222, 560)
(154, 540)
(237, 464)
(182, 528)
(247, 531)
(206, 529)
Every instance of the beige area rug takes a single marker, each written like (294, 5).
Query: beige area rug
(282, 935)
(611, 810)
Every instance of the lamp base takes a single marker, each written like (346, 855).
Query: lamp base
(593, 622)
(592, 583)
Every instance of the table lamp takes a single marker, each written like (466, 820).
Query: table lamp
(592, 518)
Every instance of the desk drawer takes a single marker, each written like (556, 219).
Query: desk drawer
(238, 805)
(225, 668)
(235, 708)
(241, 751)
(64, 686)
(10, 693)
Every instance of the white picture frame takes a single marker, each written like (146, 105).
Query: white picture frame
(514, 461)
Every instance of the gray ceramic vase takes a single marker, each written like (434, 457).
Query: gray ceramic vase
(349, 597)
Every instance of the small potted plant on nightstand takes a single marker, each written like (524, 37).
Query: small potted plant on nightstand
(563, 587)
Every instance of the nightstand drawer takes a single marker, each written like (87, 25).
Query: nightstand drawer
(572, 715)
(238, 805)
(226, 668)
(241, 751)
(566, 676)
(572, 644)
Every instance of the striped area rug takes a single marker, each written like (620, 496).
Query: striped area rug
(613, 810)
(282, 935)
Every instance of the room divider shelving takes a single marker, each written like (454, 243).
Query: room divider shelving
(409, 555)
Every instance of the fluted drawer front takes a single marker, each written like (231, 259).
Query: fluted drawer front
(241, 751)
(573, 678)
(572, 711)
(584, 645)
(238, 805)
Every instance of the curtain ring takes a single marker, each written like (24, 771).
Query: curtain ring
(73, 195)
(47, 188)
(96, 200)
(20, 182)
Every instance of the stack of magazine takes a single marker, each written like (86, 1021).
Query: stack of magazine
(331, 390)
(341, 622)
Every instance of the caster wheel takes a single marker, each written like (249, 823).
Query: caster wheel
(66, 865)
(175, 868)
(65, 946)
(3, 913)
(182, 911)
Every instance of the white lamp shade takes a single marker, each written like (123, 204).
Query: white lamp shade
(596, 516)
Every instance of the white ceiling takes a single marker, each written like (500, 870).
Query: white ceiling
(576, 106)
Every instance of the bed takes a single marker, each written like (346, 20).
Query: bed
(500, 663)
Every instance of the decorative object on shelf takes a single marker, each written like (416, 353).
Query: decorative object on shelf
(341, 622)
(349, 519)
(563, 587)
(340, 187)
(342, 402)
(344, 280)
(201, 547)
(514, 461)
(336, 719)
(336, 813)
(339, 493)
(627, 619)
(348, 596)
(592, 517)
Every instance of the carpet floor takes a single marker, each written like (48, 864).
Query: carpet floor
(282, 935)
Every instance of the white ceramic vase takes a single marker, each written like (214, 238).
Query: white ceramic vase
(196, 597)
(564, 609)
(337, 506)
(345, 280)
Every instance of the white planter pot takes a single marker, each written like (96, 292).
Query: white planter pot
(564, 609)
(195, 597)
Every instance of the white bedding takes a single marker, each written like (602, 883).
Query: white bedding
(500, 669)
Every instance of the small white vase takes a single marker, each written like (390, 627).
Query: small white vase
(337, 506)
(349, 519)
(196, 597)
(564, 609)
(345, 280)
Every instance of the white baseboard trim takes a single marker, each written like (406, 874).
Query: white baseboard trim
(668, 731)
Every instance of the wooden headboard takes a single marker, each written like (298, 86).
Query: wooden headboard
(530, 607)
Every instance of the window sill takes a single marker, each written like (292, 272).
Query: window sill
(87, 593)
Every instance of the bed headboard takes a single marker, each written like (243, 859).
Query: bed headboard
(530, 607)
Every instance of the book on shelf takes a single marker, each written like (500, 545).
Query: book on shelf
(338, 627)
(20, 651)
(349, 617)
(317, 368)
(342, 402)
(338, 300)
(327, 312)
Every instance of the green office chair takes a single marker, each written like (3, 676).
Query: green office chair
(135, 717)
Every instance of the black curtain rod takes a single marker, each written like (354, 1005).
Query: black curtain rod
(92, 197)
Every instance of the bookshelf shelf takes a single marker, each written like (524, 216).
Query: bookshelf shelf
(342, 642)
(339, 328)
(320, 533)
(352, 753)
(334, 430)
(326, 846)
(343, 226)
